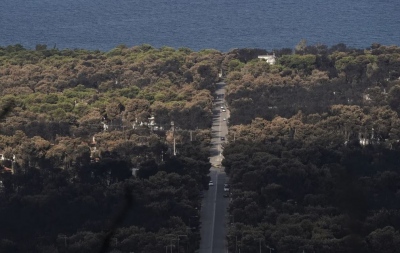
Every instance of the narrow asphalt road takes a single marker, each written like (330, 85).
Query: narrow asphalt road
(214, 205)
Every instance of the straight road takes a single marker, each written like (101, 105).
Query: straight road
(214, 205)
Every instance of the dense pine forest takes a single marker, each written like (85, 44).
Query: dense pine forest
(314, 153)
(86, 148)
(88, 164)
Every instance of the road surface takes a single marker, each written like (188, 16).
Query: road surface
(214, 205)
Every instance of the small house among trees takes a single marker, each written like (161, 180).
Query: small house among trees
(271, 59)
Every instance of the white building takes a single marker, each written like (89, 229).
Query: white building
(271, 59)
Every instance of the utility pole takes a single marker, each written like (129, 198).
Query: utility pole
(191, 139)
(172, 244)
(236, 244)
(179, 239)
(65, 239)
(174, 147)
(123, 130)
(173, 135)
(170, 237)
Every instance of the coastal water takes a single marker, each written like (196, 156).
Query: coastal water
(198, 24)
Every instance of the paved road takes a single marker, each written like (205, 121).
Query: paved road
(214, 205)
(219, 127)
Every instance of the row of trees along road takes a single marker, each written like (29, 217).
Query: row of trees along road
(313, 151)
(75, 125)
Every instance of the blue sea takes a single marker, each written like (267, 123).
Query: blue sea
(198, 24)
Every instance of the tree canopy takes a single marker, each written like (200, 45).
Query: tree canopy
(312, 152)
